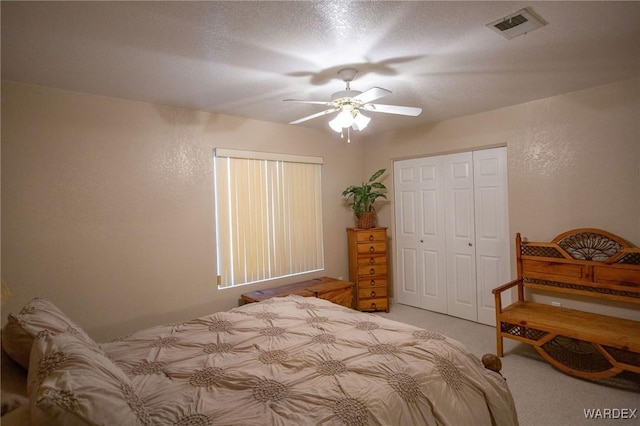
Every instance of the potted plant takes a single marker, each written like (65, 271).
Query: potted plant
(360, 198)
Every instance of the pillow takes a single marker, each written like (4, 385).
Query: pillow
(12, 401)
(37, 315)
(72, 383)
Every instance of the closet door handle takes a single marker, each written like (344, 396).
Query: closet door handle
(470, 245)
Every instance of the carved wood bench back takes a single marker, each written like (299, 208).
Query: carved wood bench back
(585, 261)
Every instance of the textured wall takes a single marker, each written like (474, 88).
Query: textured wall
(573, 161)
(108, 204)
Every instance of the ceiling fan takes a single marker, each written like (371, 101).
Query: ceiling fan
(350, 105)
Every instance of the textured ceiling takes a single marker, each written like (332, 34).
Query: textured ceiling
(244, 58)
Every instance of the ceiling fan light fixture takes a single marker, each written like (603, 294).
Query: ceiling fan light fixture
(360, 121)
(335, 125)
(346, 117)
(349, 104)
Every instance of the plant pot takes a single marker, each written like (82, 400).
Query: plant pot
(366, 220)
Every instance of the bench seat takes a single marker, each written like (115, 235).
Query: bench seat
(596, 328)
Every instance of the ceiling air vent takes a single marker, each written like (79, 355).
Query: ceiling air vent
(516, 24)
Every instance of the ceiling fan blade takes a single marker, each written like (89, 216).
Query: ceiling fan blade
(309, 102)
(394, 109)
(371, 95)
(317, 114)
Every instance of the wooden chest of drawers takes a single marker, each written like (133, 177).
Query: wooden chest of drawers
(368, 268)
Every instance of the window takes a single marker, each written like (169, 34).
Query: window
(268, 216)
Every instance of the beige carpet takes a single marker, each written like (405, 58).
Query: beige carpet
(543, 395)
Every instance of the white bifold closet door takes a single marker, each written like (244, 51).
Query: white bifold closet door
(452, 242)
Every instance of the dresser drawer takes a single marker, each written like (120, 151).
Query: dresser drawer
(364, 283)
(373, 292)
(365, 271)
(372, 235)
(381, 304)
(371, 248)
(374, 259)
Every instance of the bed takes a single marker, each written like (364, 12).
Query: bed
(284, 361)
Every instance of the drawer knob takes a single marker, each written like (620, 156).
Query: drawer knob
(373, 282)
(372, 271)
(373, 294)
(371, 238)
(372, 261)
(373, 306)
(372, 249)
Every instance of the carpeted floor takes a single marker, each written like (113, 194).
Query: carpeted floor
(543, 395)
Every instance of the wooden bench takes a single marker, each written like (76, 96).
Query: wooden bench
(583, 262)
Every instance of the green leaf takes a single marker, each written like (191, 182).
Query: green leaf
(361, 198)
(377, 174)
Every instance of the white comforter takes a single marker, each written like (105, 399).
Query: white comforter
(306, 361)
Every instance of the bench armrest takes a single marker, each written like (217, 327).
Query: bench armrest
(498, 294)
(506, 286)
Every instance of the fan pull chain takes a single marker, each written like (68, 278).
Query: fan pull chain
(348, 134)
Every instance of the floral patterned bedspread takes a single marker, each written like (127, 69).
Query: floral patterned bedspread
(307, 361)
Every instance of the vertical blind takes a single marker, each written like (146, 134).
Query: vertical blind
(268, 216)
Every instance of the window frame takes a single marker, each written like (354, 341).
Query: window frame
(267, 171)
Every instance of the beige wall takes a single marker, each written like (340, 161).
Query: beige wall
(108, 204)
(573, 162)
